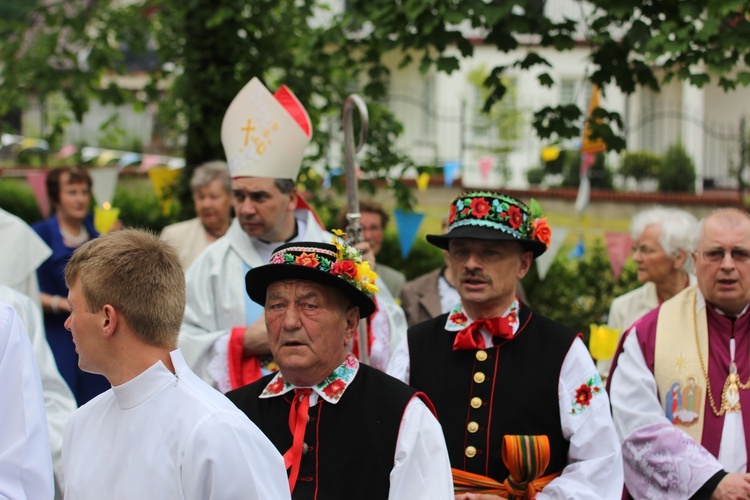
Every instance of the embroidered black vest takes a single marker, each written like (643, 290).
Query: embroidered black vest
(351, 445)
(482, 395)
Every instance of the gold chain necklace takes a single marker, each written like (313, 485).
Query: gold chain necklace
(730, 396)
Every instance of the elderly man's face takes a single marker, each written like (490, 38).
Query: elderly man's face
(485, 274)
(722, 266)
(263, 210)
(309, 328)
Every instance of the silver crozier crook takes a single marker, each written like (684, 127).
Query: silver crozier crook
(353, 228)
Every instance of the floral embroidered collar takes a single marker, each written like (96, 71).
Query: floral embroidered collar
(458, 319)
(331, 389)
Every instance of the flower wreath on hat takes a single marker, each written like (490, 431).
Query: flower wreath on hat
(495, 208)
(348, 265)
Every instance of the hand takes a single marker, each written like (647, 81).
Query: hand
(367, 254)
(255, 339)
(732, 487)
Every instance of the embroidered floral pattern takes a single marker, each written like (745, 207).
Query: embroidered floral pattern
(346, 263)
(483, 208)
(585, 393)
(331, 389)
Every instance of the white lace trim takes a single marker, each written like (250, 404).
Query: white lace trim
(662, 462)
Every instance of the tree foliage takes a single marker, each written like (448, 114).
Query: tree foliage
(203, 53)
(641, 43)
(206, 50)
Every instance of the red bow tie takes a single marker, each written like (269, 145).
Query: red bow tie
(471, 338)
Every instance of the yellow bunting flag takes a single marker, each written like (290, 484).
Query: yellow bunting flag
(423, 180)
(164, 182)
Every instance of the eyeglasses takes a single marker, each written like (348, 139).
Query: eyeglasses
(643, 249)
(717, 254)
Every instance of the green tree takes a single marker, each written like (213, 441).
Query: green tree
(630, 42)
(207, 49)
(203, 53)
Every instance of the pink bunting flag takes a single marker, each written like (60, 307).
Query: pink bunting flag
(486, 164)
(66, 151)
(149, 161)
(37, 180)
(618, 248)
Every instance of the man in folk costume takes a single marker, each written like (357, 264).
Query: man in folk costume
(679, 383)
(508, 383)
(223, 334)
(159, 431)
(346, 430)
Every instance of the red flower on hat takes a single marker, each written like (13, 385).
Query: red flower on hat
(583, 395)
(345, 267)
(480, 207)
(335, 388)
(515, 217)
(307, 260)
(541, 231)
(452, 214)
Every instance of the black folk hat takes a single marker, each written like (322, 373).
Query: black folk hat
(485, 215)
(338, 265)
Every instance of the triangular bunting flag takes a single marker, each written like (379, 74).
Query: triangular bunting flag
(128, 159)
(578, 251)
(423, 181)
(163, 181)
(104, 182)
(37, 180)
(449, 172)
(544, 261)
(618, 248)
(485, 166)
(407, 225)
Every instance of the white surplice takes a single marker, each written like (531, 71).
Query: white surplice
(59, 402)
(25, 461)
(23, 251)
(165, 435)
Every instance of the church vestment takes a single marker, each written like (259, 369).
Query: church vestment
(25, 461)
(23, 251)
(626, 309)
(541, 381)
(165, 435)
(368, 436)
(59, 403)
(661, 403)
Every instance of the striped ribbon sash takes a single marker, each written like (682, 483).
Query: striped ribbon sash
(526, 458)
